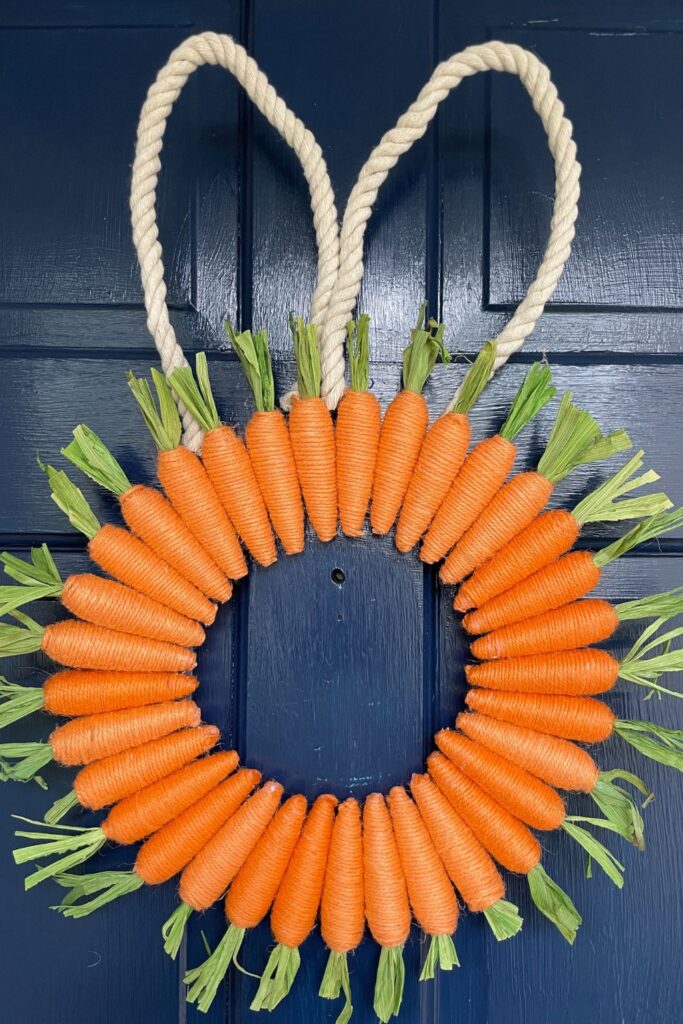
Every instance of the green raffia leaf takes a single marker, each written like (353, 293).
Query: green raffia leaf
(173, 930)
(24, 639)
(61, 808)
(71, 500)
(163, 424)
(335, 982)
(597, 852)
(17, 702)
(654, 527)
(277, 978)
(554, 903)
(476, 379)
(29, 758)
(420, 356)
(358, 348)
(604, 447)
(38, 579)
(254, 355)
(70, 844)
(602, 505)
(204, 981)
(442, 954)
(196, 395)
(658, 606)
(574, 440)
(654, 741)
(389, 983)
(504, 919)
(618, 805)
(104, 886)
(643, 671)
(535, 392)
(307, 355)
(90, 454)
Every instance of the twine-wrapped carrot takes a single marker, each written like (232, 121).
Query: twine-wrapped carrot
(125, 557)
(405, 424)
(359, 420)
(135, 817)
(94, 599)
(311, 431)
(149, 515)
(296, 904)
(186, 482)
(442, 454)
(484, 470)
(469, 866)
(227, 462)
(386, 904)
(249, 899)
(268, 443)
(553, 533)
(430, 892)
(574, 440)
(342, 906)
(564, 580)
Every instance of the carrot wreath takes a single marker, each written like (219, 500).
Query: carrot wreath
(442, 454)
(149, 515)
(296, 904)
(405, 424)
(129, 821)
(268, 443)
(553, 533)
(125, 557)
(469, 866)
(565, 579)
(249, 899)
(312, 434)
(94, 599)
(342, 906)
(185, 481)
(227, 462)
(386, 904)
(359, 420)
(484, 470)
(574, 441)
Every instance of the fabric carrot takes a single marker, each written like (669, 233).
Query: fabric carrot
(359, 420)
(430, 891)
(386, 904)
(94, 599)
(249, 899)
(442, 454)
(296, 905)
(125, 557)
(574, 440)
(227, 462)
(185, 480)
(507, 840)
(149, 515)
(469, 866)
(342, 906)
(82, 645)
(553, 533)
(268, 443)
(564, 580)
(405, 424)
(132, 819)
(484, 470)
(312, 434)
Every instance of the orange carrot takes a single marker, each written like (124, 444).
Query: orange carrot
(113, 778)
(573, 625)
(520, 793)
(209, 874)
(149, 515)
(405, 425)
(268, 443)
(485, 468)
(69, 693)
(555, 761)
(186, 482)
(575, 439)
(442, 454)
(572, 673)
(312, 434)
(573, 718)
(552, 534)
(359, 420)
(227, 462)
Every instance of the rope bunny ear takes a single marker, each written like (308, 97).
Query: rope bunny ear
(535, 76)
(210, 48)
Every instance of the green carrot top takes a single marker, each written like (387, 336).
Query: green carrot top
(196, 394)
(89, 453)
(164, 424)
(420, 356)
(254, 355)
(476, 379)
(575, 440)
(534, 393)
(358, 349)
(307, 355)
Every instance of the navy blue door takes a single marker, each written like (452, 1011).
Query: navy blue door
(327, 685)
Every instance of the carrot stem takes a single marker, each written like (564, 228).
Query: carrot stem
(335, 982)
(17, 701)
(71, 500)
(61, 808)
(203, 981)
(642, 671)
(475, 380)
(658, 606)
(89, 453)
(197, 396)
(277, 978)
(164, 425)
(576, 439)
(654, 527)
(654, 741)
(358, 349)
(554, 903)
(173, 930)
(619, 807)
(103, 886)
(596, 851)
(30, 758)
(389, 983)
(441, 953)
(420, 355)
(602, 506)
(254, 355)
(76, 845)
(534, 393)
(307, 356)
(503, 919)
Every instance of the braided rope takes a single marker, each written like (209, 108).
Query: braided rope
(210, 48)
(412, 125)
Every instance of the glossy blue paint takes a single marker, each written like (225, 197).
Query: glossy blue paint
(321, 685)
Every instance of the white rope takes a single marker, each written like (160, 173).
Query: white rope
(494, 56)
(210, 48)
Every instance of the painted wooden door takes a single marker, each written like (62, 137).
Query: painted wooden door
(327, 684)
